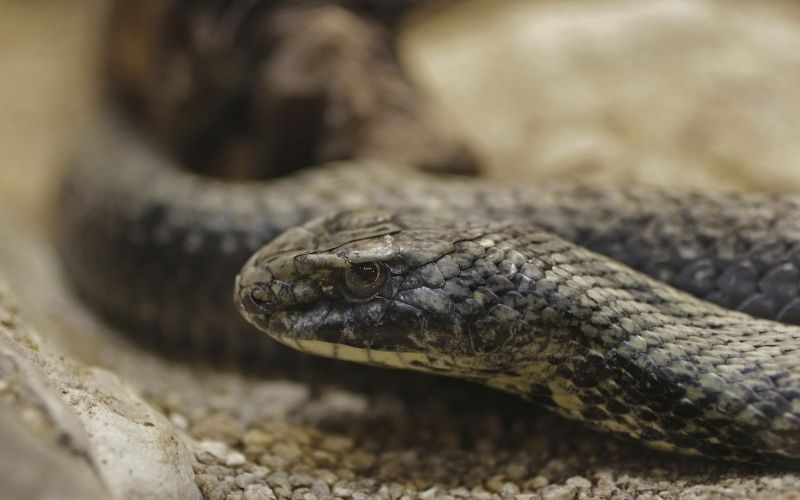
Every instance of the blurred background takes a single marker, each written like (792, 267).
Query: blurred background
(698, 93)
(47, 67)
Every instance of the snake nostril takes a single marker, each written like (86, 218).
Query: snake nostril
(261, 296)
(256, 299)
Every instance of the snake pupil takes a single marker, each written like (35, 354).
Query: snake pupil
(364, 280)
(366, 273)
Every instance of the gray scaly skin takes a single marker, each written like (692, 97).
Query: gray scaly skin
(522, 310)
(157, 248)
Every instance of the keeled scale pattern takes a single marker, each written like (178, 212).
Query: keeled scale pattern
(528, 312)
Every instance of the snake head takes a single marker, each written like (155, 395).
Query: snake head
(374, 287)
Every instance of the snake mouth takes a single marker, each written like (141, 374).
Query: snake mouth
(390, 359)
(256, 311)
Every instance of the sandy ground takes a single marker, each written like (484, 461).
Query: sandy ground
(675, 93)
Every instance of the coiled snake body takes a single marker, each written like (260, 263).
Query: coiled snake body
(499, 283)
(488, 295)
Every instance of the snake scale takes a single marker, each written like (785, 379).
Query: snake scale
(670, 317)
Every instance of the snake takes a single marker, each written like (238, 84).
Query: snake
(671, 317)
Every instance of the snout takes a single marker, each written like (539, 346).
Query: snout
(245, 300)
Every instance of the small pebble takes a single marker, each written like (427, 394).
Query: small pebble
(215, 448)
(235, 459)
(259, 492)
(579, 482)
(245, 479)
(179, 421)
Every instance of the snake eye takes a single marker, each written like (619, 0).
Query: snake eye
(362, 281)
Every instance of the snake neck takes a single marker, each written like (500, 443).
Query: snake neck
(598, 342)
(524, 311)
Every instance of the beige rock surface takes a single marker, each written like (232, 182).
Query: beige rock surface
(113, 437)
(683, 93)
(695, 93)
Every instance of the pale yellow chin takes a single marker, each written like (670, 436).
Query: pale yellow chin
(426, 362)
(413, 360)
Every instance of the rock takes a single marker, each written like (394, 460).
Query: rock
(87, 411)
(28, 458)
(692, 93)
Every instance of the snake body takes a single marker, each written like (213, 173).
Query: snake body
(522, 310)
(508, 290)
